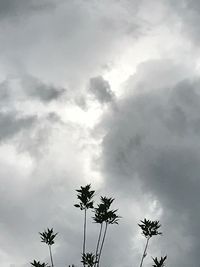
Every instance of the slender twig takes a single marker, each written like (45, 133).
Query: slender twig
(145, 252)
(98, 242)
(85, 196)
(84, 230)
(51, 256)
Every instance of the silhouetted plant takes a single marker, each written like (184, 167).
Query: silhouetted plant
(104, 216)
(149, 229)
(39, 264)
(112, 218)
(99, 217)
(48, 238)
(85, 196)
(89, 259)
(159, 263)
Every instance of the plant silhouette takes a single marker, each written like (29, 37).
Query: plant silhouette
(48, 238)
(39, 264)
(89, 259)
(149, 229)
(159, 263)
(104, 216)
(85, 196)
(99, 217)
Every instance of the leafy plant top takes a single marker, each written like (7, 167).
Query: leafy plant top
(39, 264)
(89, 259)
(150, 228)
(85, 196)
(48, 236)
(159, 263)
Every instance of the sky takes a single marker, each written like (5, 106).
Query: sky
(105, 93)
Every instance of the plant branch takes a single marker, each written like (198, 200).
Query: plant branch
(145, 252)
(84, 231)
(51, 256)
(98, 242)
(106, 227)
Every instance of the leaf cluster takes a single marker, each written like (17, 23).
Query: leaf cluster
(48, 236)
(159, 263)
(89, 259)
(39, 264)
(103, 214)
(150, 228)
(85, 196)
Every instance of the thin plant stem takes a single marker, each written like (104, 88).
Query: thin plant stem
(84, 232)
(51, 256)
(98, 242)
(145, 251)
(103, 240)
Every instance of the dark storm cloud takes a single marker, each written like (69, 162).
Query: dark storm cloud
(100, 88)
(10, 8)
(4, 91)
(11, 124)
(25, 88)
(152, 138)
(37, 89)
(29, 128)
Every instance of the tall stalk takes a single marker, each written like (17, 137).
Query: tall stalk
(102, 243)
(84, 230)
(98, 242)
(85, 196)
(51, 257)
(48, 238)
(103, 214)
(145, 252)
(149, 229)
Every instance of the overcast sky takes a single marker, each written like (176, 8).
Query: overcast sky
(107, 93)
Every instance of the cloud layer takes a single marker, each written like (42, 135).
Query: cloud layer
(101, 93)
(151, 144)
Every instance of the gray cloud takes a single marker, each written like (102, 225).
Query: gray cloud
(30, 203)
(34, 88)
(150, 148)
(11, 124)
(23, 89)
(4, 91)
(10, 8)
(100, 88)
(152, 144)
(70, 44)
(187, 18)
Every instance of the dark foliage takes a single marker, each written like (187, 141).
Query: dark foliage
(150, 228)
(85, 196)
(48, 236)
(103, 214)
(159, 263)
(89, 259)
(39, 264)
